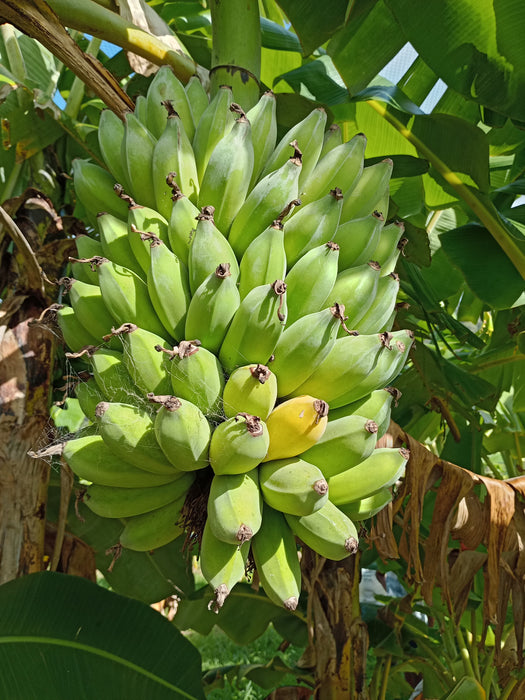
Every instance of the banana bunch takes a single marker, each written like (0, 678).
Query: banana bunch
(238, 340)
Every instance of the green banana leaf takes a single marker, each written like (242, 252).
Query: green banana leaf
(312, 22)
(63, 637)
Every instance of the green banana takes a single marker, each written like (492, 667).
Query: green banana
(89, 395)
(238, 444)
(255, 328)
(390, 265)
(148, 369)
(333, 137)
(168, 287)
(250, 389)
(212, 308)
(263, 118)
(215, 122)
(73, 331)
(86, 248)
(235, 506)
(293, 486)
(356, 289)
(309, 135)
(328, 531)
(380, 310)
(110, 137)
(117, 502)
(115, 242)
(173, 153)
(112, 376)
(382, 469)
(310, 281)
(182, 431)
(387, 244)
(154, 529)
(196, 376)
(126, 296)
(342, 166)
(197, 97)
(358, 239)
(264, 259)
(367, 507)
(94, 188)
(227, 176)
(144, 219)
(182, 222)
(141, 110)
(222, 565)
(269, 197)
(128, 432)
(312, 225)
(348, 362)
(89, 305)
(137, 156)
(371, 193)
(275, 555)
(209, 248)
(166, 86)
(345, 442)
(304, 345)
(90, 459)
(374, 406)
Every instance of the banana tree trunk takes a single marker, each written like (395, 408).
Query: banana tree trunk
(26, 364)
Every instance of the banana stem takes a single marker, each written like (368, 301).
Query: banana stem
(236, 52)
(487, 217)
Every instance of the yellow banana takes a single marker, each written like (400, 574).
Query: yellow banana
(295, 425)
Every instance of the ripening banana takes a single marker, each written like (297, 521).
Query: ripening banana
(222, 565)
(312, 225)
(367, 507)
(173, 153)
(374, 406)
(256, 327)
(88, 395)
(342, 166)
(182, 431)
(115, 242)
(345, 442)
(182, 223)
(110, 137)
(209, 248)
(212, 308)
(264, 259)
(293, 485)
(371, 193)
(94, 188)
(137, 156)
(263, 119)
(238, 444)
(166, 86)
(275, 554)
(382, 469)
(264, 203)
(87, 247)
(295, 425)
(117, 502)
(168, 287)
(358, 239)
(197, 97)
(75, 335)
(328, 531)
(129, 433)
(310, 282)
(215, 123)
(154, 529)
(227, 176)
(379, 313)
(333, 137)
(90, 459)
(235, 506)
(196, 376)
(148, 367)
(309, 134)
(250, 389)
(304, 345)
(356, 288)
